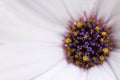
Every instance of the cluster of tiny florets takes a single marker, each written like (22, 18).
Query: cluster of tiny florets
(88, 42)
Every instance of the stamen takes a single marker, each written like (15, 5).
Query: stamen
(68, 40)
(103, 33)
(85, 58)
(79, 24)
(88, 42)
(102, 58)
(97, 28)
(85, 37)
(105, 50)
(101, 39)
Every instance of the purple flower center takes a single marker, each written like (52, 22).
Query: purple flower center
(88, 42)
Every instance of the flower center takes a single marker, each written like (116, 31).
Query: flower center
(88, 42)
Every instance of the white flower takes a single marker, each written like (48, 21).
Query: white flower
(31, 38)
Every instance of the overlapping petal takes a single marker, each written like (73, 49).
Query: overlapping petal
(104, 8)
(14, 29)
(44, 21)
(76, 8)
(114, 63)
(102, 72)
(51, 10)
(24, 61)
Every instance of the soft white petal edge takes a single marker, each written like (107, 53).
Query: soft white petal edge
(64, 71)
(114, 62)
(104, 8)
(52, 73)
(71, 72)
(14, 29)
(51, 10)
(102, 72)
(76, 8)
(24, 61)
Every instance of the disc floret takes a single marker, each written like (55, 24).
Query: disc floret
(88, 42)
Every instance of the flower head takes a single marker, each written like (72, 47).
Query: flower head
(88, 42)
(39, 41)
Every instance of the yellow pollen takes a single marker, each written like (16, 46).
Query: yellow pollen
(101, 39)
(105, 50)
(68, 40)
(68, 54)
(103, 33)
(85, 58)
(102, 58)
(75, 33)
(68, 48)
(76, 56)
(97, 28)
(79, 24)
(85, 37)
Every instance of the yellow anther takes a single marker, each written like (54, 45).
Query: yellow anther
(97, 28)
(85, 58)
(68, 48)
(103, 33)
(105, 50)
(79, 24)
(102, 58)
(85, 37)
(68, 40)
(76, 56)
(101, 39)
(75, 33)
(68, 54)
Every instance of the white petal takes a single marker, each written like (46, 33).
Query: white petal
(14, 29)
(51, 10)
(76, 8)
(115, 12)
(109, 11)
(71, 72)
(115, 18)
(51, 73)
(64, 71)
(102, 72)
(103, 8)
(114, 62)
(25, 61)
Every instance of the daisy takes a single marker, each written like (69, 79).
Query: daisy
(59, 40)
